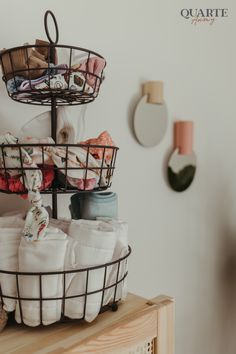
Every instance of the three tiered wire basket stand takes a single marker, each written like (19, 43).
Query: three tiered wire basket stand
(59, 95)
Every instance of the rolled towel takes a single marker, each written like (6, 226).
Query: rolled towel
(93, 205)
(95, 246)
(46, 255)
(10, 233)
(70, 125)
(70, 264)
(119, 291)
(18, 214)
(12, 221)
(9, 243)
(63, 225)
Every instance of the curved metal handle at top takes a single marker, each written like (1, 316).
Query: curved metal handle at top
(46, 26)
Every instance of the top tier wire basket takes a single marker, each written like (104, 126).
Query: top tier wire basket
(32, 74)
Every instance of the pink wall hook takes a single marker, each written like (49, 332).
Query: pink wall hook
(183, 137)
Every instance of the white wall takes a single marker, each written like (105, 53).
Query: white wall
(184, 244)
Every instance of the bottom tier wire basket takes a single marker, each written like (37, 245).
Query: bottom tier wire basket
(47, 297)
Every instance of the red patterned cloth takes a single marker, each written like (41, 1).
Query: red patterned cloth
(14, 184)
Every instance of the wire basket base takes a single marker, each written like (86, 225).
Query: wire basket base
(63, 97)
(113, 307)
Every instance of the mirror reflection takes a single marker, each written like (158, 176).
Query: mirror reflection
(150, 122)
(181, 170)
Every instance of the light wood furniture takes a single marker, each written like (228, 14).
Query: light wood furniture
(139, 326)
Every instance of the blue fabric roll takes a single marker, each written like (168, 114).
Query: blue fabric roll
(89, 206)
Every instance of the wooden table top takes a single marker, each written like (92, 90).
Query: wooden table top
(56, 338)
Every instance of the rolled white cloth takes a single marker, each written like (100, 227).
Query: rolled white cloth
(95, 244)
(46, 255)
(15, 213)
(10, 233)
(12, 221)
(70, 125)
(119, 291)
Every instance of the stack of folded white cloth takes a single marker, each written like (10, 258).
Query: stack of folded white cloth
(118, 271)
(10, 234)
(68, 245)
(46, 255)
(95, 246)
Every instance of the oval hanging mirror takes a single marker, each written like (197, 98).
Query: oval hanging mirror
(183, 162)
(150, 118)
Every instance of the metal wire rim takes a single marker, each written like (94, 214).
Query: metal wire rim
(73, 270)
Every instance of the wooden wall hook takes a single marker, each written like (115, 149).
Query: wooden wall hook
(154, 91)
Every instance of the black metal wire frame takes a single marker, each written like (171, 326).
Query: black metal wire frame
(60, 183)
(55, 97)
(35, 96)
(113, 305)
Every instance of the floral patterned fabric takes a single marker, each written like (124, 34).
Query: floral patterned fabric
(84, 168)
(37, 218)
(13, 158)
(103, 139)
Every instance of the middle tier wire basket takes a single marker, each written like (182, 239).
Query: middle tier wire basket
(65, 168)
(42, 298)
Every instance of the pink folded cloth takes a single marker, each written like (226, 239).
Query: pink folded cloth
(103, 139)
(94, 65)
(83, 184)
